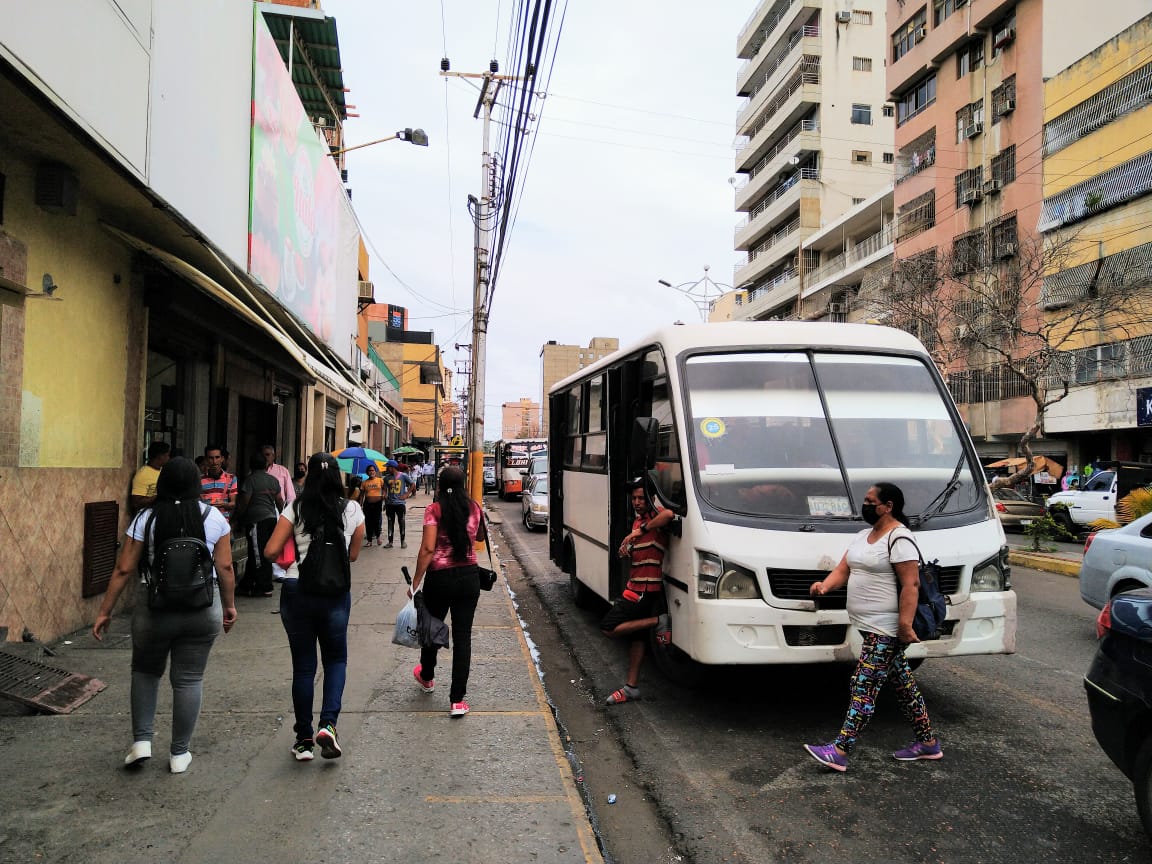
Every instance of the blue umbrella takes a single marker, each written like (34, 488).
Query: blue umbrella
(355, 460)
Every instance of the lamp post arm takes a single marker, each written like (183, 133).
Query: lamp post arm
(367, 144)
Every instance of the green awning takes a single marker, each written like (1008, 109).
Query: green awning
(316, 68)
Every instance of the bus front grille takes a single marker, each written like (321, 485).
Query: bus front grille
(794, 585)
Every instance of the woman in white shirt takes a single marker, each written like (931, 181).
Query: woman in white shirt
(882, 573)
(311, 619)
(185, 635)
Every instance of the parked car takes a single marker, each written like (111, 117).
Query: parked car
(1119, 687)
(1015, 511)
(534, 501)
(1115, 560)
(537, 467)
(489, 478)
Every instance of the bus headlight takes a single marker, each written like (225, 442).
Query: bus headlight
(709, 569)
(738, 583)
(993, 574)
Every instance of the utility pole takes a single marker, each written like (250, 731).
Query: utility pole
(489, 88)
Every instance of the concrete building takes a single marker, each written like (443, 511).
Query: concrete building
(1097, 151)
(520, 419)
(559, 361)
(815, 137)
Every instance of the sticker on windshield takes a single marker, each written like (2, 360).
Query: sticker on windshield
(828, 505)
(712, 427)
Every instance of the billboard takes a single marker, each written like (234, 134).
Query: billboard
(303, 243)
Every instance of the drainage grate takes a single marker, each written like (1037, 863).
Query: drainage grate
(44, 687)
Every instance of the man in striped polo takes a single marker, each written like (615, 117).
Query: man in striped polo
(642, 605)
(217, 486)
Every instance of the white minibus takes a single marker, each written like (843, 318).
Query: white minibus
(764, 437)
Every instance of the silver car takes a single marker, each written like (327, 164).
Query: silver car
(1116, 560)
(535, 502)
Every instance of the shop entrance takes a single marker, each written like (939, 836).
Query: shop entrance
(256, 427)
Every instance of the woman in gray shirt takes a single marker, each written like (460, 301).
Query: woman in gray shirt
(257, 509)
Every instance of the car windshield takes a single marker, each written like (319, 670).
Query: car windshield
(805, 435)
(1101, 481)
(1010, 495)
(541, 486)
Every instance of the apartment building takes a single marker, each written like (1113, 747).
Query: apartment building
(1097, 153)
(557, 362)
(520, 419)
(815, 139)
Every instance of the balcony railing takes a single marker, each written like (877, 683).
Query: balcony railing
(870, 245)
(807, 72)
(780, 147)
(778, 193)
(777, 12)
(789, 227)
(762, 80)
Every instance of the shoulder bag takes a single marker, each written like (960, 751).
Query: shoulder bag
(487, 574)
(931, 604)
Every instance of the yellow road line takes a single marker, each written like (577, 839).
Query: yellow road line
(494, 799)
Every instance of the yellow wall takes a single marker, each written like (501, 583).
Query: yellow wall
(75, 349)
(420, 399)
(1103, 66)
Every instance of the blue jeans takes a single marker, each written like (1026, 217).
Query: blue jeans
(309, 620)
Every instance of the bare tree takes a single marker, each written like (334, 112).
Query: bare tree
(1005, 311)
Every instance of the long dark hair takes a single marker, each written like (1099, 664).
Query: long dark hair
(322, 499)
(455, 510)
(889, 493)
(177, 505)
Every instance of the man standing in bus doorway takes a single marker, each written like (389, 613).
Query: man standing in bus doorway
(642, 606)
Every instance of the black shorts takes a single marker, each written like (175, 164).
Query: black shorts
(648, 606)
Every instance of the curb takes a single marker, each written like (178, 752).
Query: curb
(1048, 563)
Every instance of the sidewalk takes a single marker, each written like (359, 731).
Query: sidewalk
(1063, 558)
(413, 785)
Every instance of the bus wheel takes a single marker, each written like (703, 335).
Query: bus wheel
(675, 665)
(582, 595)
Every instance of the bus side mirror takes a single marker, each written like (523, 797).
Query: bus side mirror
(645, 437)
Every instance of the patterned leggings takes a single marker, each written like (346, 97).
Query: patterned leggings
(880, 658)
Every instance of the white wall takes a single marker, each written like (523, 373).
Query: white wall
(200, 132)
(1064, 44)
(90, 57)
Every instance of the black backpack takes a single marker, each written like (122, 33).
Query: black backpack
(932, 604)
(325, 570)
(179, 576)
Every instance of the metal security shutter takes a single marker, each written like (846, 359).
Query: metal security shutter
(329, 417)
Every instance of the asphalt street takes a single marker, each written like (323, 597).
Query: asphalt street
(1023, 779)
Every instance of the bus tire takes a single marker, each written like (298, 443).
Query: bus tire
(675, 665)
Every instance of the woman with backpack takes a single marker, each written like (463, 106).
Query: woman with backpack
(446, 572)
(315, 597)
(152, 546)
(882, 573)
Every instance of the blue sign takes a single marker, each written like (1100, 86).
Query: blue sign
(1144, 406)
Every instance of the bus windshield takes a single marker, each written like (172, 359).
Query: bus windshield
(804, 435)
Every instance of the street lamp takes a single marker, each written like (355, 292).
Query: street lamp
(413, 136)
(703, 292)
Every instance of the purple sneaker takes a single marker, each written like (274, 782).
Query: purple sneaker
(828, 756)
(919, 750)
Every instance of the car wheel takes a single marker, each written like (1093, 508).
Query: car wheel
(1061, 518)
(675, 665)
(528, 522)
(1142, 784)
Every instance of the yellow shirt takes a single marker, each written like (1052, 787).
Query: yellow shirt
(144, 483)
(373, 488)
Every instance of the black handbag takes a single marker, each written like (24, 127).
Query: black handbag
(487, 574)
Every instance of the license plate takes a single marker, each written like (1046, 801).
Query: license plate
(1025, 521)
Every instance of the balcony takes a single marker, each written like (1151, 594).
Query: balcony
(866, 252)
(768, 252)
(803, 137)
(778, 292)
(796, 99)
(764, 25)
(786, 196)
(804, 45)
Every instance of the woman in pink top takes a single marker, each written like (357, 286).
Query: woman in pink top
(453, 524)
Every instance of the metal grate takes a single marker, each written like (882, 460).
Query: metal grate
(100, 521)
(794, 585)
(44, 687)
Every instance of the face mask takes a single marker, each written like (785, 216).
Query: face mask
(868, 511)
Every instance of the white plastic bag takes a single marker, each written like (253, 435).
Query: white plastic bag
(405, 632)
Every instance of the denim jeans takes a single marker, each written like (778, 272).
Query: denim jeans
(396, 513)
(308, 620)
(455, 590)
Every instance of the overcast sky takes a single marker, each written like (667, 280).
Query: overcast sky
(628, 183)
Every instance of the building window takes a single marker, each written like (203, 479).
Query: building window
(889, 158)
(862, 114)
(970, 121)
(1003, 34)
(1002, 238)
(968, 252)
(1004, 166)
(968, 185)
(1004, 99)
(910, 33)
(888, 110)
(941, 9)
(1129, 94)
(860, 16)
(970, 57)
(916, 100)
(917, 215)
(861, 64)
(862, 157)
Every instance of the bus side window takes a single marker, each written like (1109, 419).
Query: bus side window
(669, 473)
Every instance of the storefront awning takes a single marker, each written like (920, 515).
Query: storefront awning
(313, 367)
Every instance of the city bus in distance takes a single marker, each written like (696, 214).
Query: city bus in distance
(512, 458)
(763, 438)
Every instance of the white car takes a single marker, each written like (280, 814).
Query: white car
(534, 501)
(1116, 560)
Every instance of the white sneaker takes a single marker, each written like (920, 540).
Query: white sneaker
(140, 752)
(179, 764)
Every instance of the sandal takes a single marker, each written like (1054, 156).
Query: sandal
(624, 694)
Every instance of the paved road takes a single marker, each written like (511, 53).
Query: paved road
(1023, 779)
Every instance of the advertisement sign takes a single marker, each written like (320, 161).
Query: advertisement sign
(303, 244)
(397, 317)
(1144, 406)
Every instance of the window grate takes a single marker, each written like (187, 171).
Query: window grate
(1126, 181)
(1126, 95)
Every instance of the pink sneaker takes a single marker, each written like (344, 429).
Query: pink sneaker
(459, 709)
(426, 686)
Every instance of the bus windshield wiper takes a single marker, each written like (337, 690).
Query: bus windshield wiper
(934, 508)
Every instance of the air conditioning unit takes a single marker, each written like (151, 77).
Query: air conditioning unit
(367, 292)
(837, 308)
(1008, 107)
(921, 33)
(991, 187)
(1006, 250)
(973, 130)
(961, 332)
(1003, 37)
(970, 196)
(843, 17)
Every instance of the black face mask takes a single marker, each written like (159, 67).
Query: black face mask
(868, 511)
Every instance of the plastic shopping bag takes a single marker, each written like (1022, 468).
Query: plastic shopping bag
(405, 632)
